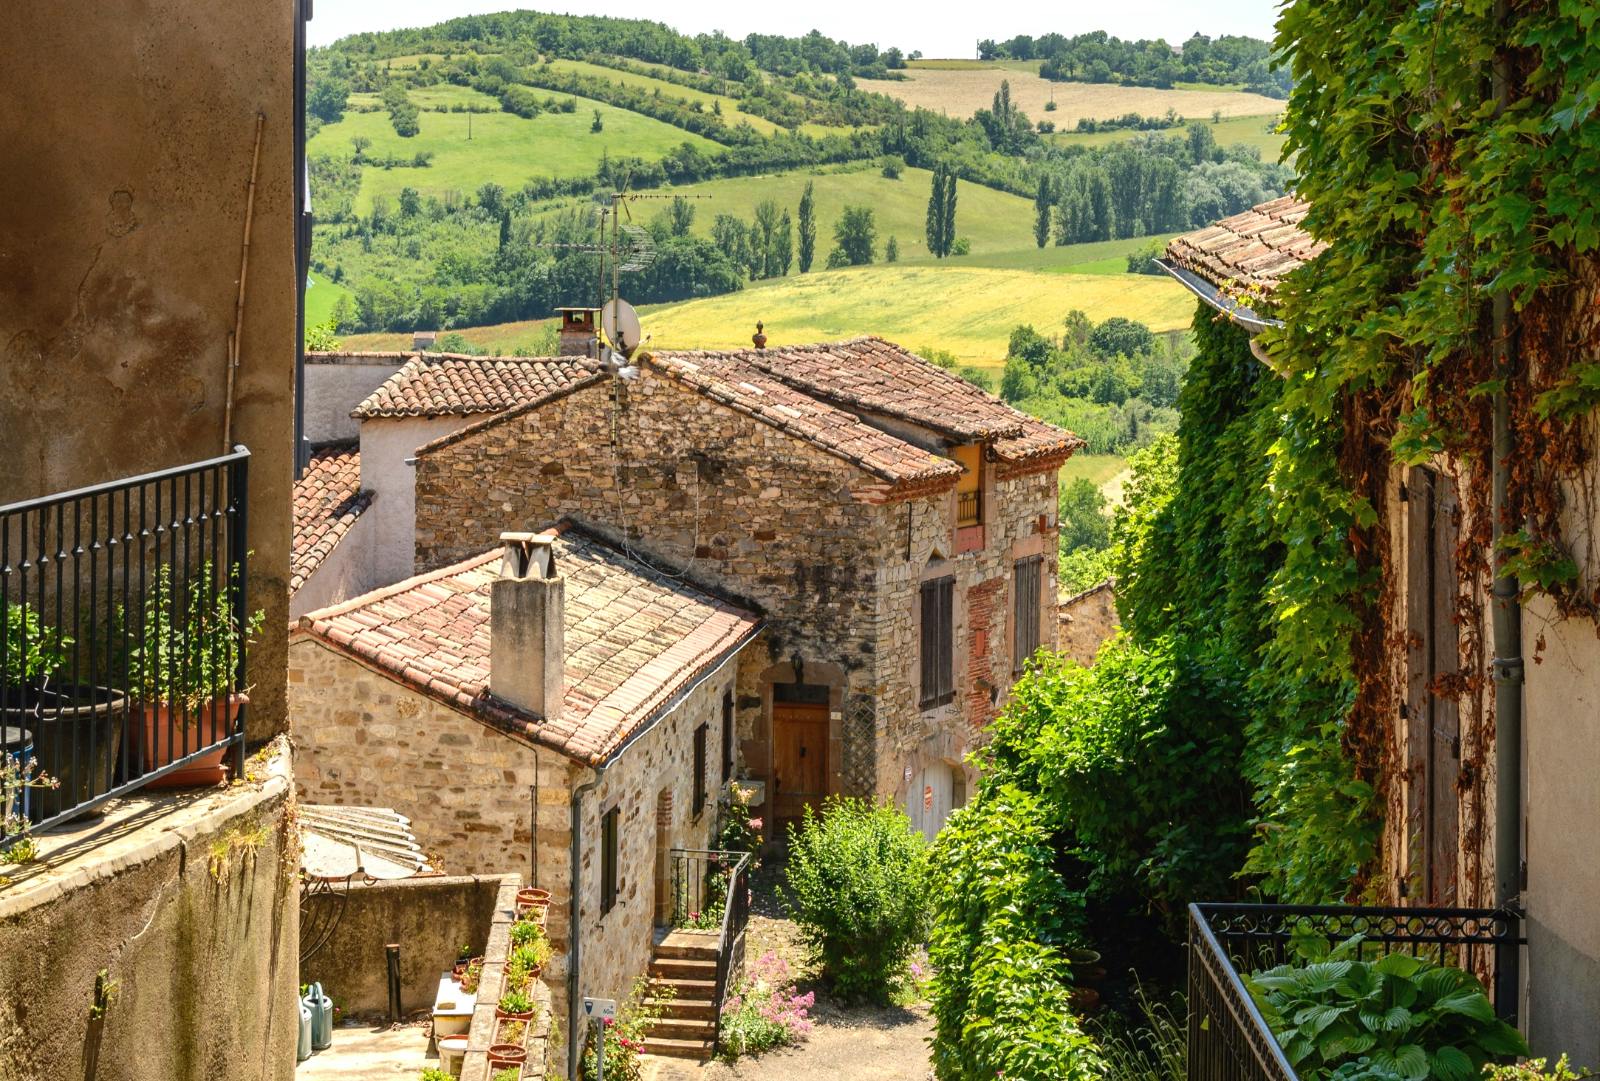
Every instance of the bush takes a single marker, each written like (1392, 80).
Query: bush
(764, 1011)
(857, 880)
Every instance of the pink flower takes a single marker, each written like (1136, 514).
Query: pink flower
(610, 1021)
(755, 823)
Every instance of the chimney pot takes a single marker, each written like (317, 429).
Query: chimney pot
(527, 613)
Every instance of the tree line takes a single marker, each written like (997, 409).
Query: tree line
(1098, 57)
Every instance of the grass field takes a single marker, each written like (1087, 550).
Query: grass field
(1098, 469)
(970, 311)
(731, 112)
(1253, 131)
(505, 149)
(933, 63)
(963, 91)
(321, 296)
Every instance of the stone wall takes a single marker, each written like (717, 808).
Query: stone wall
(430, 918)
(1086, 620)
(652, 785)
(364, 740)
(182, 909)
(1020, 522)
(763, 516)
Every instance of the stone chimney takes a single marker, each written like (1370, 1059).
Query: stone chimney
(527, 607)
(578, 329)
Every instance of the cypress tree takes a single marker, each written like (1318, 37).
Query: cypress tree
(808, 229)
(949, 214)
(1041, 212)
(935, 221)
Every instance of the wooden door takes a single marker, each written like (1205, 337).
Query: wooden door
(930, 798)
(800, 758)
(1433, 721)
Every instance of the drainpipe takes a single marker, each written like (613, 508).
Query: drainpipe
(575, 926)
(1507, 628)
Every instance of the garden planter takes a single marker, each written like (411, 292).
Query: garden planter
(514, 1033)
(77, 739)
(531, 897)
(503, 1015)
(163, 735)
(507, 1054)
(459, 969)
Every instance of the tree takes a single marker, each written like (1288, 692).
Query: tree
(951, 244)
(359, 144)
(891, 251)
(492, 197)
(941, 218)
(732, 238)
(782, 251)
(1042, 201)
(410, 202)
(1202, 144)
(764, 241)
(598, 125)
(327, 99)
(680, 216)
(855, 238)
(808, 229)
(1083, 516)
(1122, 337)
(505, 229)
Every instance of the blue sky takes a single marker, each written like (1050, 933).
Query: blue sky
(938, 29)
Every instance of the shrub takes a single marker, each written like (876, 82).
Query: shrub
(1398, 1015)
(764, 1011)
(32, 650)
(857, 880)
(740, 830)
(525, 932)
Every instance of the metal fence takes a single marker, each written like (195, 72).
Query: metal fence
(969, 508)
(711, 891)
(1229, 1040)
(123, 628)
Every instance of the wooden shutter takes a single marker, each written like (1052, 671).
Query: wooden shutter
(608, 860)
(1433, 722)
(1026, 583)
(727, 737)
(699, 769)
(938, 642)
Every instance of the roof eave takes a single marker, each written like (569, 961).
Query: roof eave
(1248, 318)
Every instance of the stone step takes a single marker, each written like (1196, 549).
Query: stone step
(686, 988)
(668, 1048)
(684, 1008)
(682, 1029)
(683, 951)
(683, 969)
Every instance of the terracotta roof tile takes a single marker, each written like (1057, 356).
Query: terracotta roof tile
(327, 501)
(634, 639)
(1251, 251)
(454, 385)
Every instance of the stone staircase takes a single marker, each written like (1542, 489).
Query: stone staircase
(684, 964)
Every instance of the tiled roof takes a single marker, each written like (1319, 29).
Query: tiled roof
(874, 376)
(454, 385)
(1251, 251)
(753, 392)
(327, 501)
(634, 639)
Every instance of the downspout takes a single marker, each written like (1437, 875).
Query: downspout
(1507, 626)
(575, 925)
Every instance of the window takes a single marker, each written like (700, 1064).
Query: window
(727, 737)
(938, 642)
(699, 770)
(608, 859)
(969, 486)
(1025, 620)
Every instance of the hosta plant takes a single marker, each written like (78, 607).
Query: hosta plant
(1395, 1017)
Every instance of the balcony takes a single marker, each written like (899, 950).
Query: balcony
(123, 629)
(1229, 1040)
(969, 521)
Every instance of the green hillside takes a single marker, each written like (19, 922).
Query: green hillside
(503, 148)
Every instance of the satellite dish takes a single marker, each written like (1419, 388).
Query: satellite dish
(621, 326)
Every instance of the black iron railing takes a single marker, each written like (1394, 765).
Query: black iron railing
(711, 892)
(1229, 1040)
(123, 628)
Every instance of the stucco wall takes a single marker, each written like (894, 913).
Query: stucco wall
(190, 910)
(131, 128)
(338, 382)
(347, 571)
(386, 443)
(430, 919)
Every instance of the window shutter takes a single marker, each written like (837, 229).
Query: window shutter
(699, 769)
(1026, 585)
(938, 642)
(727, 737)
(608, 860)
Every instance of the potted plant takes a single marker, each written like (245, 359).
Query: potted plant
(526, 930)
(509, 1073)
(58, 734)
(530, 957)
(184, 665)
(532, 897)
(512, 1032)
(470, 976)
(515, 1006)
(507, 1054)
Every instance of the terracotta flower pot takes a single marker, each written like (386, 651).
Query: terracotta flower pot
(165, 736)
(531, 895)
(504, 1015)
(507, 1054)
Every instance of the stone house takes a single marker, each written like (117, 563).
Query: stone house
(551, 706)
(1448, 773)
(895, 525)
